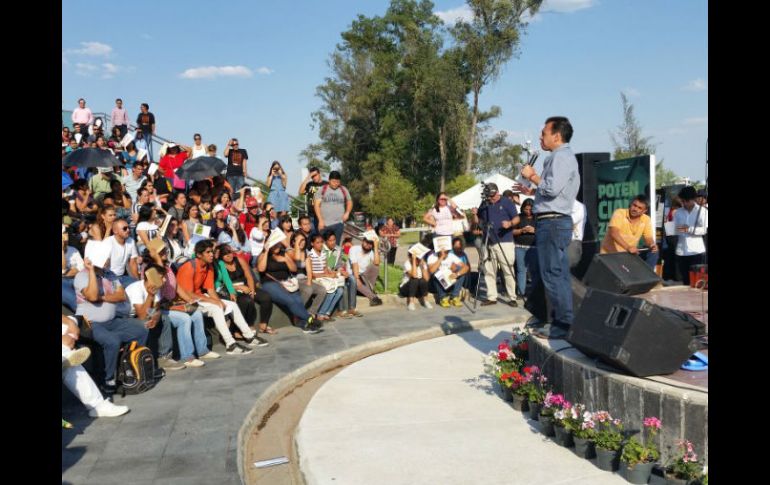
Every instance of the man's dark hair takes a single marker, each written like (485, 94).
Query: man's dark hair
(643, 199)
(334, 175)
(302, 218)
(140, 191)
(145, 211)
(79, 183)
(202, 246)
(193, 192)
(314, 237)
(688, 193)
(197, 134)
(313, 169)
(562, 126)
(508, 193)
(205, 198)
(177, 194)
(328, 234)
(146, 106)
(118, 100)
(81, 99)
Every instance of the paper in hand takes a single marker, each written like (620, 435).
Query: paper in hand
(442, 243)
(276, 237)
(418, 250)
(98, 252)
(370, 235)
(152, 169)
(126, 140)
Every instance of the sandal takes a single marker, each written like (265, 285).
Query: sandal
(267, 329)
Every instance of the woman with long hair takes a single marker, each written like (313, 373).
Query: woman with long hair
(234, 236)
(276, 183)
(146, 227)
(115, 138)
(441, 214)
(82, 202)
(102, 228)
(121, 200)
(285, 226)
(275, 268)
(235, 282)
(190, 217)
(524, 239)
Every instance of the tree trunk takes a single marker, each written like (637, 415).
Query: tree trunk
(442, 153)
(472, 139)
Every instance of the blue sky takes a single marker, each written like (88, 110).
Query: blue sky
(249, 69)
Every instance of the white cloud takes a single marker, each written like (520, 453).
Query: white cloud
(696, 85)
(701, 120)
(632, 92)
(453, 15)
(93, 49)
(264, 70)
(210, 72)
(85, 69)
(566, 5)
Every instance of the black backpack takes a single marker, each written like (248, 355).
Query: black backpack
(136, 369)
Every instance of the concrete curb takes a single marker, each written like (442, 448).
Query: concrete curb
(264, 406)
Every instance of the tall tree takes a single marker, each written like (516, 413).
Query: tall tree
(629, 141)
(488, 41)
(497, 155)
(312, 155)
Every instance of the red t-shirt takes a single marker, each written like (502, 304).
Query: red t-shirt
(247, 223)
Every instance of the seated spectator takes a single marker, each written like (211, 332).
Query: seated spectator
(318, 271)
(205, 208)
(308, 289)
(235, 282)
(337, 259)
(285, 225)
(453, 268)
(120, 200)
(124, 256)
(170, 161)
(176, 251)
(115, 138)
(146, 227)
(365, 263)
(102, 228)
(83, 202)
(190, 217)
(71, 265)
(258, 236)
(305, 227)
(197, 277)
(77, 379)
(414, 284)
(275, 269)
(219, 221)
(627, 227)
(250, 216)
(180, 202)
(97, 300)
(100, 183)
(233, 236)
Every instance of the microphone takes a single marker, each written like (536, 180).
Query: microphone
(533, 157)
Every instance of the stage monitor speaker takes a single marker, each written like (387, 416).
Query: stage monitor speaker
(621, 273)
(633, 334)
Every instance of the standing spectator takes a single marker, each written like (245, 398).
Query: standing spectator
(236, 164)
(146, 121)
(199, 148)
(691, 221)
(414, 284)
(392, 232)
(554, 199)
(333, 205)
(441, 214)
(524, 238)
(278, 196)
(670, 269)
(82, 116)
(170, 161)
(140, 142)
(365, 263)
(312, 183)
(119, 117)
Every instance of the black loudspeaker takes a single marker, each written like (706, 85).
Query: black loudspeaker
(632, 334)
(621, 273)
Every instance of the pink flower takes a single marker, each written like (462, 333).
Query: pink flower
(602, 416)
(652, 422)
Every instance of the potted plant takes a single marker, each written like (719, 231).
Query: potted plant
(551, 403)
(563, 422)
(583, 434)
(520, 344)
(535, 389)
(519, 383)
(684, 469)
(501, 362)
(607, 440)
(637, 458)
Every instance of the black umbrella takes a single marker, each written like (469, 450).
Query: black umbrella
(201, 168)
(91, 157)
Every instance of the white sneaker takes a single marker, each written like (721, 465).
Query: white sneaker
(108, 410)
(427, 304)
(194, 363)
(410, 306)
(211, 355)
(76, 357)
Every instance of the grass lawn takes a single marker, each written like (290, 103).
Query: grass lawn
(409, 238)
(394, 278)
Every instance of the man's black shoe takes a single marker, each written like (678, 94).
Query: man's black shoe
(375, 302)
(534, 323)
(488, 302)
(513, 303)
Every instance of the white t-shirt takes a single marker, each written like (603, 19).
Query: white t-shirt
(151, 228)
(357, 255)
(443, 218)
(137, 294)
(121, 254)
(447, 263)
(74, 259)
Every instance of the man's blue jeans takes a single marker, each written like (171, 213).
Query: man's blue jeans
(189, 328)
(236, 182)
(330, 301)
(110, 335)
(293, 301)
(453, 291)
(348, 301)
(523, 255)
(552, 237)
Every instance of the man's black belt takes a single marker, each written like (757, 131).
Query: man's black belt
(549, 215)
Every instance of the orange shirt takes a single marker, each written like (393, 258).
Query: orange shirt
(630, 231)
(194, 281)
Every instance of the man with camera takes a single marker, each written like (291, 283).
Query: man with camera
(496, 216)
(556, 191)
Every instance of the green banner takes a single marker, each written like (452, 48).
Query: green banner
(617, 183)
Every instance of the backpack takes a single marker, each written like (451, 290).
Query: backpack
(136, 369)
(344, 193)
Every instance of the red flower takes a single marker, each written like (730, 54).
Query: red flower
(523, 346)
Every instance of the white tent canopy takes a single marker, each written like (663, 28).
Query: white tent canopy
(472, 197)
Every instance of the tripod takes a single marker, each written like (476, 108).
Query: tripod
(488, 227)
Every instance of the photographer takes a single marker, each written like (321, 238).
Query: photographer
(276, 182)
(497, 215)
(236, 164)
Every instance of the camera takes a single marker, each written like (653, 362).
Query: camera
(487, 191)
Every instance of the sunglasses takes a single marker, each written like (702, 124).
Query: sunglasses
(196, 139)
(123, 229)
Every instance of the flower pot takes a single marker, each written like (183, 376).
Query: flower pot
(534, 409)
(564, 436)
(672, 480)
(607, 460)
(518, 402)
(507, 394)
(546, 425)
(584, 448)
(639, 473)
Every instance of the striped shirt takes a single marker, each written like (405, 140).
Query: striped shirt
(318, 261)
